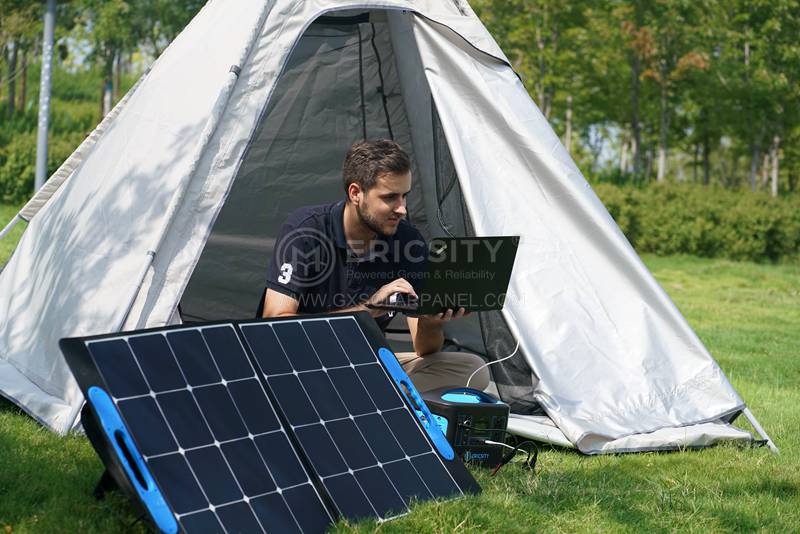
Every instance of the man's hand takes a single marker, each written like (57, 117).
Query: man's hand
(401, 285)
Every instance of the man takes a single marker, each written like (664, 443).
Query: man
(350, 254)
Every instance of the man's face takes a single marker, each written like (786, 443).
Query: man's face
(382, 207)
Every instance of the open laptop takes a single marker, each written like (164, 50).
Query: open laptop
(462, 272)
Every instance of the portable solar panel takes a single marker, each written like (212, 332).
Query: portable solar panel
(276, 425)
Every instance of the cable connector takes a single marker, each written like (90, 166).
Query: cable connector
(503, 461)
(530, 461)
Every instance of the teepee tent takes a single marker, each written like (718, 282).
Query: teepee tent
(170, 211)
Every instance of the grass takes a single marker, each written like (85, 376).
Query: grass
(747, 314)
(7, 244)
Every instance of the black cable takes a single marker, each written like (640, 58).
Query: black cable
(361, 83)
(529, 462)
(382, 88)
(533, 452)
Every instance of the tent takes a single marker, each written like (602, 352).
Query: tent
(170, 209)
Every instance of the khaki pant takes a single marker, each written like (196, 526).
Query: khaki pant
(441, 369)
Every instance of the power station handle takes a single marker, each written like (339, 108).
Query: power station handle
(131, 460)
(421, 412)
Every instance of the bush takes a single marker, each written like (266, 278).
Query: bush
(711, 222)
(18, 163)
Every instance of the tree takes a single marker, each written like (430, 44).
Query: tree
(110, 26)
(671, 54)
(20, 22)
(158, 22)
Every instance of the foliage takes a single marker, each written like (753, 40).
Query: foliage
(710, 222)
(96, 41)
(74, 115)
(707, 90)
(19, 163)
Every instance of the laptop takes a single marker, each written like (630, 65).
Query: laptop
(462, 272)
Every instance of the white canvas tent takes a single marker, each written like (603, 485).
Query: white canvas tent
(177, 197)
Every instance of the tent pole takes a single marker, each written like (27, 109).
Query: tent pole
(754, 422)
(4, 232)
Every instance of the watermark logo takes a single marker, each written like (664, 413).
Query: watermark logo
(306, 257)
(476, 456)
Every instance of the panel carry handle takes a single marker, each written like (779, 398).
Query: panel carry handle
(131, 460)
(415, 400)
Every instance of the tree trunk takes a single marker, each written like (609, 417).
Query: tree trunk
(12, 78)
(636, 72)
(765, 170)
(663, 130)
(540, 88)
(776, 148)
(648, 163)
(756, 148)
(117, 76)
(23, 81)
(156, 48)
(695, 162)
(568, 132)
(623, 159)
(550, 89)
(107, 87)
(636, 141)
(108, 96)
(706, 161)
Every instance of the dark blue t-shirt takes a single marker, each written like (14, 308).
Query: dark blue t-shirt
(313, 264)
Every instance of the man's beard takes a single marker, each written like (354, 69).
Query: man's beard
(371, 222)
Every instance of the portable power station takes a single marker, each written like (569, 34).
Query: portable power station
(467, 417)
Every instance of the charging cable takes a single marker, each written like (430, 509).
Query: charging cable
(487, 364)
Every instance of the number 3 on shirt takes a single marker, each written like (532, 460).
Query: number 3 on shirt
(286, 273)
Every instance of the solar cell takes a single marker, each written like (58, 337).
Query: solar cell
(157, 363)
(316, 430)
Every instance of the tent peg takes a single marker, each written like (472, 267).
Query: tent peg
(761, 432)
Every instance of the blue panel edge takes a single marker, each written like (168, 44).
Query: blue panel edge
(426, 418)
(111, 422)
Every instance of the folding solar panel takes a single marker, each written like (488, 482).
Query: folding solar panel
(278, 425)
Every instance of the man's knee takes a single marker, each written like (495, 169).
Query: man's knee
(451, 369)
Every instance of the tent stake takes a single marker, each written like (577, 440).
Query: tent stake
(752, 419)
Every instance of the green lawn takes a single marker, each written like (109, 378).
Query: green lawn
(7, 244)
(749, 317)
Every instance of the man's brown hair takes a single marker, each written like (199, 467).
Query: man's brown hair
(367, 160)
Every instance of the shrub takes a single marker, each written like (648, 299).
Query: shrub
(18, 163)
(712, 222)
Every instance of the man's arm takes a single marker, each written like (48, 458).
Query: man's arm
(276, 304)
(427, 331)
